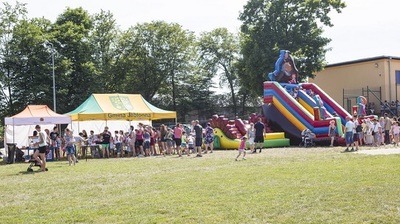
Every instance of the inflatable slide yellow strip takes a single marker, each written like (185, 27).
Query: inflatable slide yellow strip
(305, 105)
(288, 115)
(277, 135)
(271, 140)
(294, 101)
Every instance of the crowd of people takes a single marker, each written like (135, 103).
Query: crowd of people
(375, 132)
(390, 107)
(145, 140)
(142, 141)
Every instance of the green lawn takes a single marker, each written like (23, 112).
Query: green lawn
(282, 185)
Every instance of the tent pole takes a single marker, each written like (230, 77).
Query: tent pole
(13, 131)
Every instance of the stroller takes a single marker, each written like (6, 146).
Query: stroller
(33, 162)
(307, 138)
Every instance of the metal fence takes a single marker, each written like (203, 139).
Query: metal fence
(373, 96)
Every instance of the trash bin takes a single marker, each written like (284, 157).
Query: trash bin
(11, 152)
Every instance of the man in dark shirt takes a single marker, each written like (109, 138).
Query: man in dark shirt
(259, 136)
(198, 129)
(54, 144)
(105, 144)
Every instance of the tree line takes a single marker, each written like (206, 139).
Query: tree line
(172, 68)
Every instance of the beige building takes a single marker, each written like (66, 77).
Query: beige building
(374, 78)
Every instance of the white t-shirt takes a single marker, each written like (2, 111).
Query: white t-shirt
(355, 126)
(375, 127)
(35, 141)
(44, 136)
(350, 126)
(118, 138)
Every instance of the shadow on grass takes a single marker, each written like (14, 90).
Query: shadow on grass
(32, 171)
(28, 172)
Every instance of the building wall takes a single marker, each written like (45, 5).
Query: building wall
(352, 77)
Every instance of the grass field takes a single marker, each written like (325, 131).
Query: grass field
(282, 185)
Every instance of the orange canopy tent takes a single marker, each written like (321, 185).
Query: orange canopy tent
(22, 125)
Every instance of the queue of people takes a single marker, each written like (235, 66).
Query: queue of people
(142, 141)
(371, 132)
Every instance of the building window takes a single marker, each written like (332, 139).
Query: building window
(397, 77)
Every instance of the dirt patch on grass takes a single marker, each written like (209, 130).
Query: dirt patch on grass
(380, 151)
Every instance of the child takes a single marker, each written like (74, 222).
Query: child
(395, 133)
(242, 148)
(168, 138)
(118, 144)
(184, 144)
(69, 146)
(190, 143)
(332, 132)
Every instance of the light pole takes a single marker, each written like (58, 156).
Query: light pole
(54, 77)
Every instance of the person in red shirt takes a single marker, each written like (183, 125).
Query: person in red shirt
(178, 138)
(242, 148)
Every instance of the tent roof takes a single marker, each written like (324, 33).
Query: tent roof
(37, 114)
(118, 107)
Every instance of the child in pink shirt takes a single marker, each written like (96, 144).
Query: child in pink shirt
(242, 148)
(395, 133)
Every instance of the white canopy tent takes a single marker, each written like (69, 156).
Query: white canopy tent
(22, 125)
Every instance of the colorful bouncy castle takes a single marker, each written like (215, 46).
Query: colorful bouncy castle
(289, 109)
(227, 132)
(293, 107)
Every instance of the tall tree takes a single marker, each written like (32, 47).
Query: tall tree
(154, 57)
(103, 40)
(71, 39)
(31, 63)
(10, 17)
(270, 25)
(194, 98)
(219, 53)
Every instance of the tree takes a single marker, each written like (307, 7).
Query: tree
(155, 56)
(195, 98)
(10, 17)
(71, 39)
(103, 41)
(271, 25)
(219, 53)
(31, 64)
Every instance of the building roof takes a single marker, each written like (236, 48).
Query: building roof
(362, 60)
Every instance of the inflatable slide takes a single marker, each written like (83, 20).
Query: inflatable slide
(293, 114)
(293, 107)
(228, 132)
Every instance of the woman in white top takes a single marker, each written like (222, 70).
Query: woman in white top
(40, 153)
(369, 139)
(251, 134)
(377, 133)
